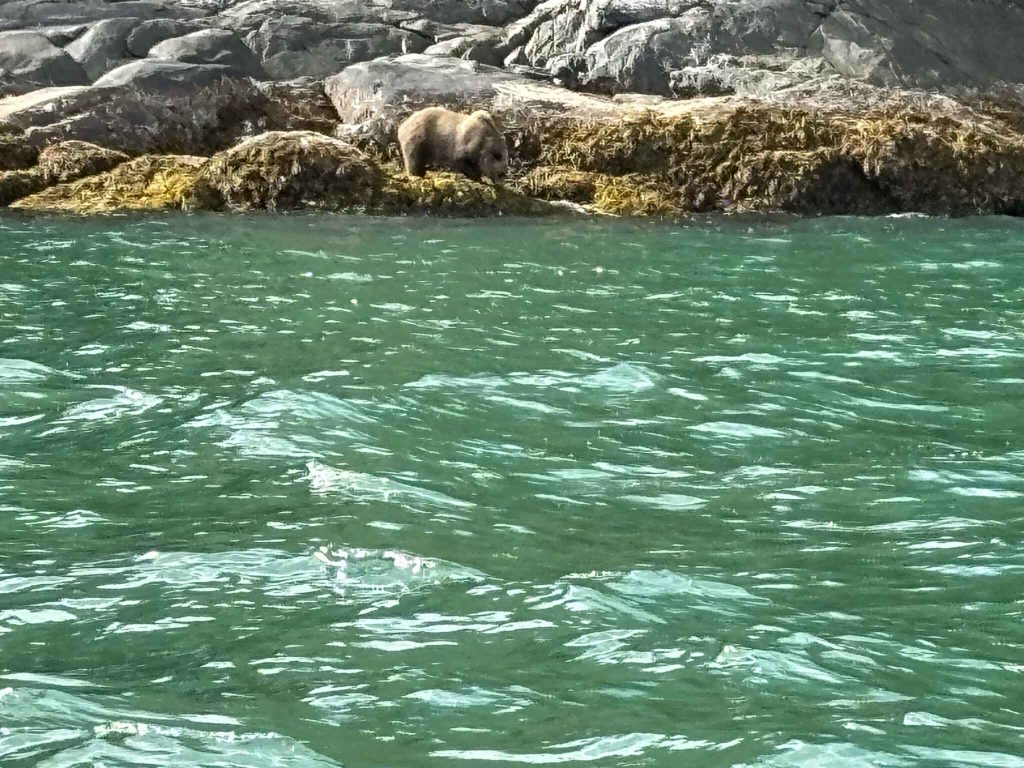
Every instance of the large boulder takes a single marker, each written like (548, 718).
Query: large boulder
(33, 13)
(490, 12)
(62, 34)
(103, 46)
(29, 60)
(157, 76)
(218, 47)
(48, 104)
(318, 38)
(934, 44)
(142, 107)
(294, 46)
(482, 44)
(641, 57)
(148, 33)
(630, 45)
(388, 89)
(279, 170)
(159, 106)
(634, 45)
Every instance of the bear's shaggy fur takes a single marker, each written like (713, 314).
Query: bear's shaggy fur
(439, 138)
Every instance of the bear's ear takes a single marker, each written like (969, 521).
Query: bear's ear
(484, 116)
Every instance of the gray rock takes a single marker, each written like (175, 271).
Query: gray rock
(294, 46)
(210, 46)
(147, 106)
(609, 15)
(641, 57)
(103, 47)
(756, 76)
(155, 76)
(563, 33)
(32, 13)
(635, 44)
(940, 43)
(490, 12)
(249, 15)
(654, 46)
(319, 37)
(482, 46)
(28, 59)
(48, 105)
(385, 89)
(149, 33)
(518, 33)
(62, 34)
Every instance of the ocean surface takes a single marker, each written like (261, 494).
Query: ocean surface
(367, 492)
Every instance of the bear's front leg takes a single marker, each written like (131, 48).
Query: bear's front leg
(468, 167)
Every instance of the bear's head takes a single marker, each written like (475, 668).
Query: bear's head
(489, 144)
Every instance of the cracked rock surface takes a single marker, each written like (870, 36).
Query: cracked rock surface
(606, 45)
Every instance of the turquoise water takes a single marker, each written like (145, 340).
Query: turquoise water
(322, 491)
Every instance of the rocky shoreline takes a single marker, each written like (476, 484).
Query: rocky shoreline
(198, 121)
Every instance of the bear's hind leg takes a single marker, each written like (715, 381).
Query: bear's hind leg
(415, 160)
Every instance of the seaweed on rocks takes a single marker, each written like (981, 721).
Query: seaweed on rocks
(761, 156)
(66, 161)
(151, 182)
(277, 171)
(287, 170)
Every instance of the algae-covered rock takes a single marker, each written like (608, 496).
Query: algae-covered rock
(735, 155)
(288, 169)
(15, 151)
(70, 160)
(633, 194)
(61, 162)
(715, 154)
(17, 184)
(455, 195)
(154, 182)
(559, 183)
(636, 195)
(284, 170)
(273, 171)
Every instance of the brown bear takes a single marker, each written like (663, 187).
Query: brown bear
(439, 138)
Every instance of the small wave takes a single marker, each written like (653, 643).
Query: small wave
(392, 572)
(125, 402)
(595, 749)
(87, 729)
(621, 378)
(325, 479)
(737, 430)
(16, 371)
